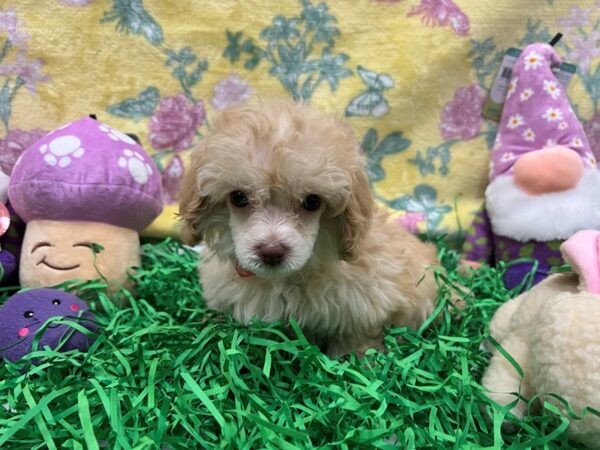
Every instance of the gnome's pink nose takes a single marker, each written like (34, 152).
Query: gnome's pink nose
(552, 169)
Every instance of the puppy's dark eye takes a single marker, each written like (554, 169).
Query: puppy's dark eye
(56, 302)
(311, 202)
(28, 314)
(239, 199)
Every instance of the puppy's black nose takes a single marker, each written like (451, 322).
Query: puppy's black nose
(271, 254)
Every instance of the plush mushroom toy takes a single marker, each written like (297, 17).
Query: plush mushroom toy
(85, 191)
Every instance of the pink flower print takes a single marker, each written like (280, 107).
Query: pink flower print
(171, 180)
(76, 2)
(578, 17)
(585, 49)
(175, 122)
(461, 117)
(411, 220)
(15, 143)
(11, 24)
(442, 13)
(592, 131)
(230, 91)
(29, 71)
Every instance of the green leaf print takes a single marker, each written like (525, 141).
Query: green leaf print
(423, 200)
(5, 104)
(139, 107)
(485, 60)
(370, 102)
(536, 32)
(289, 46)
(393, 143)
(187, 68)
(131, 17)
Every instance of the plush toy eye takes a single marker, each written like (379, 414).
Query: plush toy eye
(311, 202)
(56, 302)
(239, 199)
(28, 314)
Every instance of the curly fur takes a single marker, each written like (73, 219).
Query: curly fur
(348, 273)
(552, 334)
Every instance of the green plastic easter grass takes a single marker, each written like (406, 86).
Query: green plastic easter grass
(166, 373)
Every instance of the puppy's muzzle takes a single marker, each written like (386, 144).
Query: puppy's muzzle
(271, 254)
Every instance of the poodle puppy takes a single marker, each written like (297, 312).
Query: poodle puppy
(279, 194)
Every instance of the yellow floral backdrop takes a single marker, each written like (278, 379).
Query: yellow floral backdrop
(409, 75)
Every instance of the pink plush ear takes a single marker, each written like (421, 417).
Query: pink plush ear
(582, 251)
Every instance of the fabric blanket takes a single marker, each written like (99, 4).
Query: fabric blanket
(409, 75)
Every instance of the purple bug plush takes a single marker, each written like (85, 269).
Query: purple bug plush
(23, 314)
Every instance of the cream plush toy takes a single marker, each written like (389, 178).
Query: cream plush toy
(552, 333)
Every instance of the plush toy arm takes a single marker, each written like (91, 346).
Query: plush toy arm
(503, 380)
(478, 246)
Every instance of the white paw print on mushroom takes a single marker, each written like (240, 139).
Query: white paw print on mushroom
(138, 168)
(62, 150)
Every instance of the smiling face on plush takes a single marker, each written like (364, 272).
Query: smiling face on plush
(54, 252)
(26, 312)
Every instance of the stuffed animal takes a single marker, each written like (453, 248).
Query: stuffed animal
(8, 261)
(551, 331)
(23, 314)
(544, 181)
(85, 191)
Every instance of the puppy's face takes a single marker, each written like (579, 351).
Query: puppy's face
(275, 186)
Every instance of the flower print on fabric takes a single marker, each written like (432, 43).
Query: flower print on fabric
(461, 117)
(512, 86)
(538, 113)
(175, 123)
(230, 91)
(551, 87)
(442, 13)
(515, 121)
(14, 144)
(526, 94)
(533, 60)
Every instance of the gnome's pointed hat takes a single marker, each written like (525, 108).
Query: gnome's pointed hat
(537, 113)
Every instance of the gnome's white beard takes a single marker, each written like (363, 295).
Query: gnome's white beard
(524, 217)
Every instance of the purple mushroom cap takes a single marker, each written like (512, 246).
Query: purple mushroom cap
(24, 313)
(87, 171)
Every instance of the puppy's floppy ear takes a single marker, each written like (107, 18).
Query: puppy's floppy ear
(357, 215)
(192, 205)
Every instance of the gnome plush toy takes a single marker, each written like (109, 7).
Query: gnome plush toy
(544, 182)
(85, 191)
